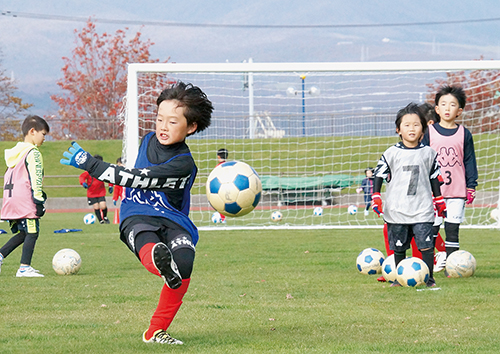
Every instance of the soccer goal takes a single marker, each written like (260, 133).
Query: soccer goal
(311, 129)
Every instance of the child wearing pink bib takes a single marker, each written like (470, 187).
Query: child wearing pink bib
(23, 198)
(457, 159)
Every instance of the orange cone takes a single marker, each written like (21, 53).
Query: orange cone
(116, 220)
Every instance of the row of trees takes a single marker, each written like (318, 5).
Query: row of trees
(94, 84)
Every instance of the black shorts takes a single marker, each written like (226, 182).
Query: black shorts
(168, 232)
(400, 236)
(96, 200)
(29, 226)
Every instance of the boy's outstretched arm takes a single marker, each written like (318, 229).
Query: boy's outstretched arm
(76, 156)
(169, 175)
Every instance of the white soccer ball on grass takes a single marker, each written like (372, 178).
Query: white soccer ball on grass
(495, 214)
(66, 262)
(217, 218)
(460, 264)
(276, 216)
(412, 271)
(318, 211)
(89, 218)
(389, 269)
(369, 261)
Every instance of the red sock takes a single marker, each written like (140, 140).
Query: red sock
(414, 249)
(440, 243)
(168, 305)
(386, 240)
(147, 259)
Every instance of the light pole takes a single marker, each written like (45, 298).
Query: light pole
(313, 91)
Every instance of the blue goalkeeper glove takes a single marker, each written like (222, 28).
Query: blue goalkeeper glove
(76, 156)
(85, 185)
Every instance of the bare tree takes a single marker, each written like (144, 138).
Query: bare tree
(12, 107)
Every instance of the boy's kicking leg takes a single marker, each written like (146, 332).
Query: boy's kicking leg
(175, 268)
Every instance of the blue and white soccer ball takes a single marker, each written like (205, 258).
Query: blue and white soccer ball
(352, 209)
(318, 211)
(460, 264)
(389, 269)
(412, 271)
(217, 218)
(234, 188)
(276, 216)
(89, 218)
(370, 261)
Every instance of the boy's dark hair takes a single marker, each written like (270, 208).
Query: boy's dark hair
(369, 169)
(222, 153)
(119, 160)
(429, 112)
(35, 122)
(455, 91)
(197, 107)
(99, 157)
(411, 108)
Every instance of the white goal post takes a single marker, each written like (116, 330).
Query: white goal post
(311, 129)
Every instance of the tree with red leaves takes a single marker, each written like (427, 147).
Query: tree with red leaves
(482, 87)
(95, 83)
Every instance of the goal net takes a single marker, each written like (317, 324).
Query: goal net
(312, 129)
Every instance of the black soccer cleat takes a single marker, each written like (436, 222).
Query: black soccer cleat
(164, 262)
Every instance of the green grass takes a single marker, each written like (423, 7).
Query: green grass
(286, 291)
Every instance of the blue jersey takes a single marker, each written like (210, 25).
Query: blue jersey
(154, 202)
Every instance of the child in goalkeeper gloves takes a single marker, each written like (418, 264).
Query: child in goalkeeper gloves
(412, 174)
(154, 215)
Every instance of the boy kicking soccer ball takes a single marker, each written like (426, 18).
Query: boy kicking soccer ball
(154, 221)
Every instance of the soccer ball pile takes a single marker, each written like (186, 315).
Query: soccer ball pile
(89, 218)
(353, 209)
(412, 271)
(66, 261)
(370, 261)
(233, 188)
(276, 216)
(318, 211)
(460, 264)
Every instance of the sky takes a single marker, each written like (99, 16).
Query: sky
(35, 35)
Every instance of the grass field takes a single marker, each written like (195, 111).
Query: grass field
(282, 291)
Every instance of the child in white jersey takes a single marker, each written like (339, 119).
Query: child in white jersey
(411, 172)
(23, 197)
(456, 156)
